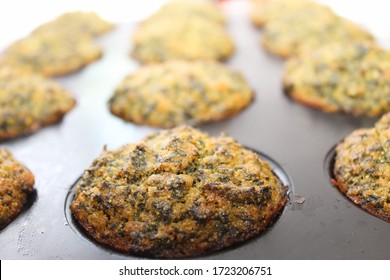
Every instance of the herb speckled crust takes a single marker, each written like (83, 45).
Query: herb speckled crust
(304, 26)
(83, 23)
(28, 102)
(166, 95)
(349, 78)
(177, 193)
(16, 183)
(191, 8)
(362, 168)
(175, 38)
(51, 54)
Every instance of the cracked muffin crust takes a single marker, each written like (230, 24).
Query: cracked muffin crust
(51, 54)
(173, 93)
(176, 38)
(349, 78)
(177, 193)
(28, 102)
(16, 184)
(362, 168)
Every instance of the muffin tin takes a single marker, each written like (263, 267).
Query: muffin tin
(318, 222)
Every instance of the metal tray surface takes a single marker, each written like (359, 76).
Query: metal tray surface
(319, 224)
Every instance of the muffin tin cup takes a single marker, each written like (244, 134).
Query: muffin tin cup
(329, 163)
(283, 176)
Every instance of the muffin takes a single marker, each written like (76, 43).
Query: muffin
(177, 193)
(176, 38)
(51, 54)
(256, 12)
(28, 102)
(351, 78)
(190, 8)
(82, 23)
(265, 11)
(179, 92)
(16, 186)
(308, 27)
(362, 168)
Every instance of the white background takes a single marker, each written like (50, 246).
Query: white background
(109, 270)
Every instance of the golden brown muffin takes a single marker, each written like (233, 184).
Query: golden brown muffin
(51, 54)
(177, 193)
(257, 12)
(190, 8)
(16, 185)
(178, 92)
(362, 168)
(82, 23)
(175, 38)
(269, 11)
(28, 102)
(351, 78)
(302, 29)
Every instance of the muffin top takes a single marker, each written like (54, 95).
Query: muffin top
(177, 193)
(50, 54)
(352, 78)
(306, 26)
(16, 183)
(83, 23)
(179, 92)
(269, 11)
(191, 8)
(175, 38)
(28, 102)
(362, 168)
